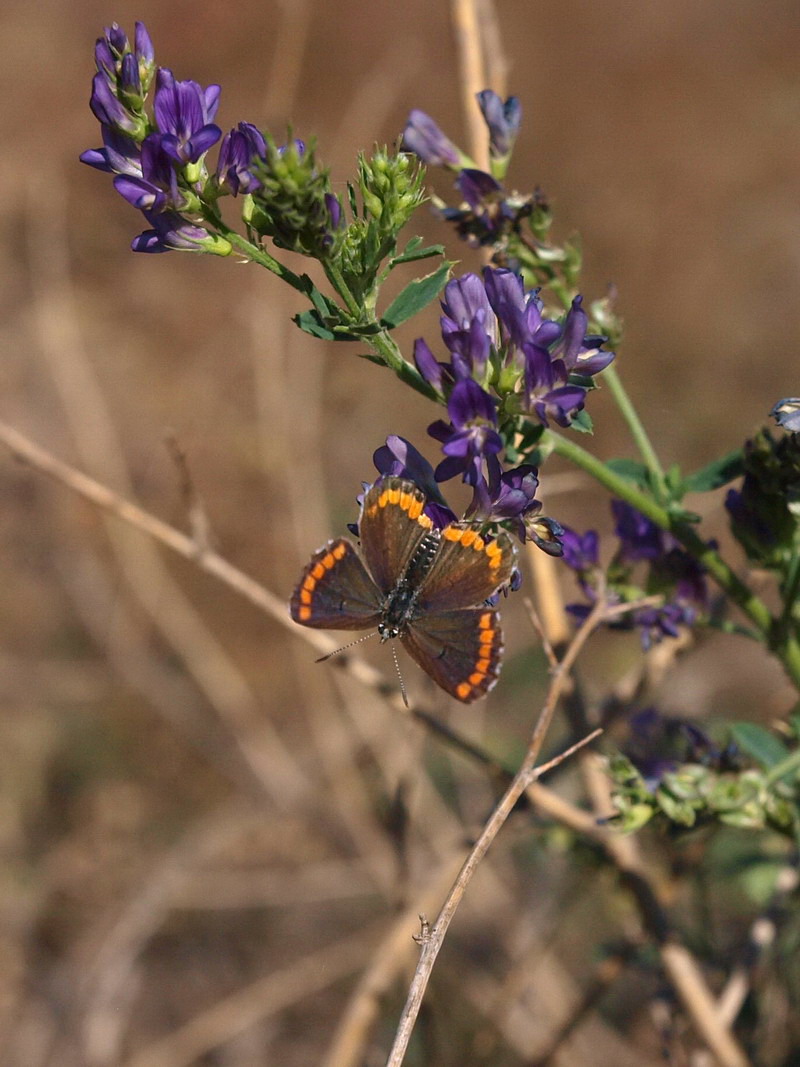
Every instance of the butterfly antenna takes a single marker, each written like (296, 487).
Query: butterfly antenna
(350, 644)
(399, 675)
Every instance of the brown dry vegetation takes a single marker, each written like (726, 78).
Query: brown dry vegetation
(190, 809)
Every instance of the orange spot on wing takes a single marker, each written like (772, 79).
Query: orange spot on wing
(305, 596)
(304, 614)
(340, 550)
(318, 570)
(463, 690)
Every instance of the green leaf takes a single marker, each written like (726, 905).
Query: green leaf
(310, 322)
(413, 252)
(717, 473)
(582, 422)
(763, 746)
(324, 305)
(632, 470)
(416, 296)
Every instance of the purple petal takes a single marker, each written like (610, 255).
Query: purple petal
(202, 141)
(97, 158)
(211, 95)
(427, 364)
(477, 186)
(468, 402)
(575, 326)
(140, 193)
(143, 46)
(423, 137)
(503, 120)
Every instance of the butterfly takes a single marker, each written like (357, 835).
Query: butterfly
(425, 586)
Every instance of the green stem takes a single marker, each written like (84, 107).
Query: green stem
(257, 254)
(336, 278)
(638, 432)
(383, 343)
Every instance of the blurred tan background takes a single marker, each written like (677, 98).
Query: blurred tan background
(188, 805)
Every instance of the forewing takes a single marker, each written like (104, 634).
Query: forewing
(391, 526)
(335, 591)
(460, 650)
(467, 569)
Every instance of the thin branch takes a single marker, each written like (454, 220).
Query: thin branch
(528, 772)
(432, 938)
(387, 961)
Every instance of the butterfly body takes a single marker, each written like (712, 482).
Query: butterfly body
(425, 586)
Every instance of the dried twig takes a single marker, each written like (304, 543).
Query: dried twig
(527, 773)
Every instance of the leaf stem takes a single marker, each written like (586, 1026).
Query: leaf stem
(630, 415)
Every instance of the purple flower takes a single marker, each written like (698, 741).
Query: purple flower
(122, 80)
(581, 551)
(109, 111)
(471, 435)
(509, 497)
(183, 113)
(787, 413)
(503, 120)
(172, 233)
(120, 154)
(424, 138)
(488, 213)
(469, 327)
(658, 744)
(400, 458)
(435, 373)
(239, 149)
(580, 351)
(156, 187)
(656, 623)
(672, 576)
(639, 537)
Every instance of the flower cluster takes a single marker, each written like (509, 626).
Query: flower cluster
(499, 338)
(489, 214)
(507, 499)
(159, 162)
(674, 587)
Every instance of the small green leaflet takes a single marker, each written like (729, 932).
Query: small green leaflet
(416, 296)
(763, 746)
(414, 251)
(631, 470)
(717, 473)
